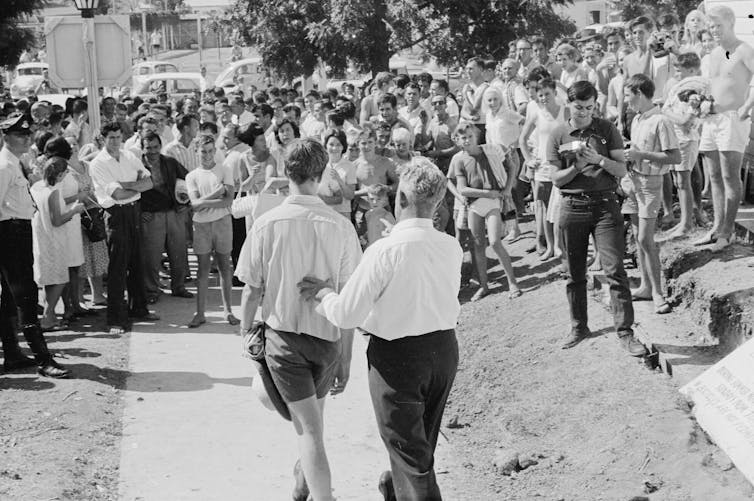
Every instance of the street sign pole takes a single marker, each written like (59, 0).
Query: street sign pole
(90, 67)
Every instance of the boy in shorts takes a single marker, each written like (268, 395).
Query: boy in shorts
(210, 189)
(654, 147)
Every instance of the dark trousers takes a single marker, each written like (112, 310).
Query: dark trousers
(19, 294)
(597, 215)
(164, 230)
(239, 237)
(126, 270)
(409, 381)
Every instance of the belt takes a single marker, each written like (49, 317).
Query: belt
(15, 220)
(591, 195)
(129, 204)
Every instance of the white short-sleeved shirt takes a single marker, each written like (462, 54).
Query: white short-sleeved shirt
(347, 172)
(300, 237)
(206, 181)
(652, 131)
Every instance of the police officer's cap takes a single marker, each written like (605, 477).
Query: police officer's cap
(16, 123)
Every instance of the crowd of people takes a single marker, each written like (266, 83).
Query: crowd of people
(596, 130)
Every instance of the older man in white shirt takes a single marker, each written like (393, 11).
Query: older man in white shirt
(307, 356)
(404, 293)
(119, 179)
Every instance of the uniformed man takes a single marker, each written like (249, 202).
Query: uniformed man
(19, 291)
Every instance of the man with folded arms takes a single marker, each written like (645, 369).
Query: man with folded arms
(307, 356)
(119, 180)
(404, 293)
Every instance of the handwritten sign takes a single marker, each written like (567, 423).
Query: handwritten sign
(724, 405)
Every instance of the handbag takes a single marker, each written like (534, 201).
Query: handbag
(264, 386)
(93, 224)
(242, 206)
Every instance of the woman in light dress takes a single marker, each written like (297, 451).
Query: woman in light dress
(339, 178)
(53, 254)
(255, 163)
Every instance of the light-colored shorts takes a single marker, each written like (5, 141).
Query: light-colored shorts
(725, 132)
(643, 195)
(689, 152)
(214, 236)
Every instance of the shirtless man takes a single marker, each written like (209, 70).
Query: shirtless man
(725, 135)
(640, 59)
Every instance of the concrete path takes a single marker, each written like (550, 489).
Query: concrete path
(193, 429)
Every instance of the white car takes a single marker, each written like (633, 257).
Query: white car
(242, 73)
(27, 78)
(177, 85)
(146, 68)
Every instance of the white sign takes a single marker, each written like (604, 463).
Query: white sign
(65, 50)
(723, 399)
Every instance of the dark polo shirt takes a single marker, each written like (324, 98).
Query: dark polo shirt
(601, 135)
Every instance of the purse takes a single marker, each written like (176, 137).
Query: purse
(242, 206)
(93, 224)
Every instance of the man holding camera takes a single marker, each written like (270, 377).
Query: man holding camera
(588, 160)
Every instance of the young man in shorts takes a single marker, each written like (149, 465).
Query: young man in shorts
(210, 190)
(726, 133)
(307, 356)
(654, 148)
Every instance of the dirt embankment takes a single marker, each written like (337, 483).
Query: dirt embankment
(534, 421)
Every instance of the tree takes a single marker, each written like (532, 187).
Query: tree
(294, 36)
(631, 9)
(14, 39)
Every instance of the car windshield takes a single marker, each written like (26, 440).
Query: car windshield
(185, 85)
(38, 70)
(164, 68)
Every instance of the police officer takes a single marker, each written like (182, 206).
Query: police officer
(19, 291)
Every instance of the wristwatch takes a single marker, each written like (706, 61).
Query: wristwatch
(602, 162)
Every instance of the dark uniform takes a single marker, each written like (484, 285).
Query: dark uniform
(19, 291)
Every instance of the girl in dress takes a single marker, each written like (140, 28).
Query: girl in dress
(52, 252)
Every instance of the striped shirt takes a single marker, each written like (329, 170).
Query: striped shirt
(188, 157)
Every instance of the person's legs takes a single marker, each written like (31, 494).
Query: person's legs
(154, 232)
(408, 379)
(98, 289)
(730, 167)
(476, 226)
(608, 235)
(137, 296)
(52, 296)
(494, 233)
(117, 311)
(651, 270)
(226, 284)
(667, 199)
(645, 287)
(202, 286)
(176, 247)
(717, 188)
(686, 201)
(308, 422)
(575, 226)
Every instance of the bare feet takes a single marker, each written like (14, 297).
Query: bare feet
(232, 320)
(480, 293)
(722, 243)
(679, 231)
(197, 321)
(708, 238)
(514, 293)
(641, 294)
(513, 235)
(548, 254)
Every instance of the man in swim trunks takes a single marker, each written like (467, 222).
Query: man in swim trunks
(726, 134)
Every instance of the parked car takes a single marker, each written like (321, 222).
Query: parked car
(176, 85)
(146, 68)
(28, 77)
(242, 73)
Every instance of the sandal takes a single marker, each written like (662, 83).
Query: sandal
(515, 293)
(196, 322)
(479, 294)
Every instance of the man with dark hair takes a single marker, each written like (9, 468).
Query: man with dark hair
(388, 106)
(525, 58)
(307, 356)
(588, 160)
(163, 220)
(145, 124)
(292, 112)
(440, 87)
(540, 52)
(183, 148)
(369, 106)
(424, 80)
(263, 114)
(119, 180)
(640, 60)
(414, 113)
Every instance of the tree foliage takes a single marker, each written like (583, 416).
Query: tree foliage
(14, 39)
(631, 9)
(293, 36)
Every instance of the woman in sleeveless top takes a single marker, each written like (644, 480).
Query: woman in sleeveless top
(544, 118)
(255, 163)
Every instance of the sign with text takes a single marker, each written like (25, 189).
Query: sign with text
(66, 53)
(723, 399)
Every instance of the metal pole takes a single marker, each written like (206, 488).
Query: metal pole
(199, 38)
(144, 33)
(90, 70)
